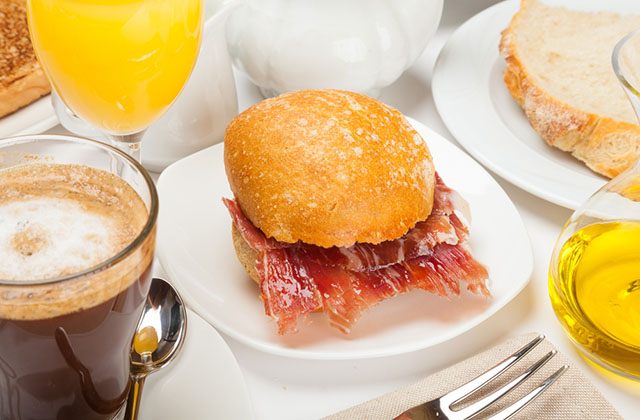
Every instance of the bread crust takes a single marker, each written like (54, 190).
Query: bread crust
(606, 145)
(246, 255)
(22, 81)
(23, 91)
(328, 168)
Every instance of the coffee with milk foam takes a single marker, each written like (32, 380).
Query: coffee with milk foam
(56, 220)
(66, 320)
(45, 237)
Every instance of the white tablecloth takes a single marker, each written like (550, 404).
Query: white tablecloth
(293, 389)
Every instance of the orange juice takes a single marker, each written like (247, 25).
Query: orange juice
(118, 64)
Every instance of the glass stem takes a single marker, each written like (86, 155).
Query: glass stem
(129, 143)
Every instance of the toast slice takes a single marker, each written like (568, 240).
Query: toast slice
(22, 81)
(559, 71)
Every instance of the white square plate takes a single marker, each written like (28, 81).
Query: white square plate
(196, 250)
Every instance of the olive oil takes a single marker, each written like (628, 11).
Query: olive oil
(594, 284)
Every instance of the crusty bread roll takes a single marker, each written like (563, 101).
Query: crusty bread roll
(329, 168)
(22, 81)
(246, 255)
(559, 71)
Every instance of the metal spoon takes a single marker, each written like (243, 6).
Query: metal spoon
(159, 337)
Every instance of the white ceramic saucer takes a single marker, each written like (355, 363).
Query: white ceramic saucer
(205, 381)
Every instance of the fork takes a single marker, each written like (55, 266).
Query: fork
(440, 408)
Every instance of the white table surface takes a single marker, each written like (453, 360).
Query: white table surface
(292, 389)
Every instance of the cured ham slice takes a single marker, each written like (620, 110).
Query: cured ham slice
(442, 226)
(293, 286)
(346, 295)
(297, 279)
(287, 290)
(251, 234)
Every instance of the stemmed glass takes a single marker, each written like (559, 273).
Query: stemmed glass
(117, 64)
(594, 276)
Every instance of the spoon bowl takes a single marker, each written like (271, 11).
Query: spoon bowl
(158, 339)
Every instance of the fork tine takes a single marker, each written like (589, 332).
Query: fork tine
(466, 389)
(485, 402)
(522, 403)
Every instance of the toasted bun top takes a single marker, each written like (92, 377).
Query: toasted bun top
(329, 168)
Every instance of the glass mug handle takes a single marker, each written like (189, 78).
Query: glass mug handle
(89, 391)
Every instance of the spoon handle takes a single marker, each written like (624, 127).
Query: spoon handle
(135, 394)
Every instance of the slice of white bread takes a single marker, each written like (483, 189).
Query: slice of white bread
(559, 71)
(22, 81)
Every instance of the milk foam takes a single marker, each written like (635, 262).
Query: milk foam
(44, 237)
(59, 220)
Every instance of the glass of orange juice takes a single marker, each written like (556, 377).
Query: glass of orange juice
(117, 64)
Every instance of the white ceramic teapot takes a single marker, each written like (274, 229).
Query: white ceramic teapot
(200, 114)
(360, 45)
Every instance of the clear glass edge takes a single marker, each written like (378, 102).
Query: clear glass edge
(148, 228)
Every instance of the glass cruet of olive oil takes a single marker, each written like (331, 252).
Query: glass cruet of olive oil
(594, 274)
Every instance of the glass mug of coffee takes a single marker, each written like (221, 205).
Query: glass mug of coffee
(77, 237)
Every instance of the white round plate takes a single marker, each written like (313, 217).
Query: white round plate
(32, 119)
(204, 382)
(195, 248)
(477, 108)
